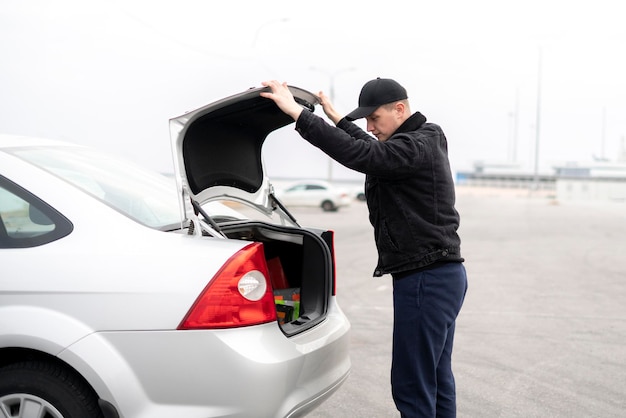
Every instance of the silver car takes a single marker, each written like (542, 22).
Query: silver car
(124, 293)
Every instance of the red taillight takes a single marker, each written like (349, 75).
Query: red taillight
(239, 295)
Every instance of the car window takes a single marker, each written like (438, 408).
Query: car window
(25, 220)
(297, 188)
(315, 187)
(143, 195)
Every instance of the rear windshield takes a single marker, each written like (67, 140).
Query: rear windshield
(145, 196)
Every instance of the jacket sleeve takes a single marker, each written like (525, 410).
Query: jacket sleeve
(354, 148)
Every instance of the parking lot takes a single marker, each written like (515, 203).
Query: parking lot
(543, 329)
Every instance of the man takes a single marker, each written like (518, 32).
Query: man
(410, 197)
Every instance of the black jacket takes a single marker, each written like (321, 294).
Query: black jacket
(409, 188)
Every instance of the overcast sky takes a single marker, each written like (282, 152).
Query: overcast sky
(112, 73)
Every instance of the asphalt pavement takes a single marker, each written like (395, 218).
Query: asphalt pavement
(542, 332)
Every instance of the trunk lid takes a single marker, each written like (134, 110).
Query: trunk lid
(217, 148)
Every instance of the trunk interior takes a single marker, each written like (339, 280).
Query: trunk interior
(301, 268)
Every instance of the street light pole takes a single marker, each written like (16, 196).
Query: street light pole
(537, 125)
(513, 130)
(331, 94)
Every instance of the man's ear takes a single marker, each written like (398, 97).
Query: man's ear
(400, 109)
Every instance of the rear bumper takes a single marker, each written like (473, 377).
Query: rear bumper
(313, 402)
(344, 201)
(251, 371)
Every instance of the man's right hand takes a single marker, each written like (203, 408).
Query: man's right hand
(329, 109)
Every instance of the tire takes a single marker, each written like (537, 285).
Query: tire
(37, 389)
(328, 206)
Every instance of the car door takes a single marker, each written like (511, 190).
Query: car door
(316, 194)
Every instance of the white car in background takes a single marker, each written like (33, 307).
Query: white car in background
(315, 193)
(124, 293)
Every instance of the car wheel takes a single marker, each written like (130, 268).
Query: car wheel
(38, 389)
(328, 206)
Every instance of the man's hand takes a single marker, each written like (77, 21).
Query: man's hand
(283, 98)
(329, 109)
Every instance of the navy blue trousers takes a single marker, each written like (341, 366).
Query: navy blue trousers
(426, 304)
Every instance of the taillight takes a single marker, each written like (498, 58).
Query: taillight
(239, 294)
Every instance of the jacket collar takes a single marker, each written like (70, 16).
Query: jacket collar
(413, 123)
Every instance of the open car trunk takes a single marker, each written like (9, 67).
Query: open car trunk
(301, 267)
(217, 151)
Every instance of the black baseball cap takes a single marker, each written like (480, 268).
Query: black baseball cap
(376, 93)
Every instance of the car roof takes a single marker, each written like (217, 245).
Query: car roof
(317, 182)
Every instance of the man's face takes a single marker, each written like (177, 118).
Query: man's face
(384, 121)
